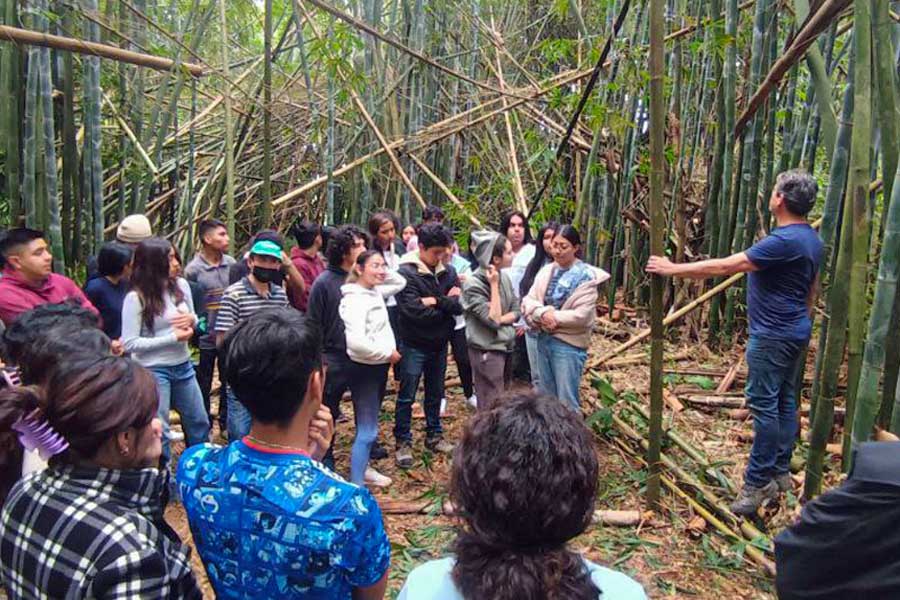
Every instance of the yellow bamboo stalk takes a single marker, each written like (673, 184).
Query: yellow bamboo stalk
(130, 134)
(446, 190)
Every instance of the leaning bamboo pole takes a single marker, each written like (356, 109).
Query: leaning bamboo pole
(25, 36)
(446, 190)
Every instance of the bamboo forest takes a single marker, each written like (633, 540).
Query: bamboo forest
(654, 127)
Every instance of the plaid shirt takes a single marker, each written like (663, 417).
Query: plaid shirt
(85, 532)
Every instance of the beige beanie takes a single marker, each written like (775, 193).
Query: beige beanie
(134, 229)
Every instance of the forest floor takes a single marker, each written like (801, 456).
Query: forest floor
(673, 554)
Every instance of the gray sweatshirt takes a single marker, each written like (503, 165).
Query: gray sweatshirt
(158, 348)
(482, 332)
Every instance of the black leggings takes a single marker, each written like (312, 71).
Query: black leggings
(461, 355)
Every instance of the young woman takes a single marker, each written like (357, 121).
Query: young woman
(107, 291)
(561, 305)
(372, 347)
(538, 461)
(408, 232)
(158, 319)
(514, 226)
(491, 307)
(91, 525)
(543, 255)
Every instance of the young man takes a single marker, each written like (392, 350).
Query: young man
(209, 268)
(287, 277)
(132, 230)
(268, 519)
(241, 300)
(345, 245)
(783, 269)
(427, 306)
(305, 256)
(28, 278)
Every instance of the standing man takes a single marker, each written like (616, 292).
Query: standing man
(783, 269)
(427, 306)
(306, 259)
(252, 294)
(344, 246)
(28, 279)
(209, 269)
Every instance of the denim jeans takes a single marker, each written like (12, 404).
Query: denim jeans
(178, 389)
(366, 408)
(774, 367)
(531, 345)
(205, 369)
(560, 366)
(416, 363)
(460, 350)
(238, 417)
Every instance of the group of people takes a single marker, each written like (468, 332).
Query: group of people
(91, 376)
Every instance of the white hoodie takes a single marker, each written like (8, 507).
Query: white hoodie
(370, 339)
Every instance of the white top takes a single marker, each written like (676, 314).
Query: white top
(517, 271)
(367, 329)
(159, 348)
(433, 581)
(392, 262)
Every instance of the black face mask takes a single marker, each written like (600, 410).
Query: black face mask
(264, 275)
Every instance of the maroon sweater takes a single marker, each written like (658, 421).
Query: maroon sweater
(18, 296)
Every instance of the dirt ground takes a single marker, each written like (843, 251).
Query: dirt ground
(673, 553)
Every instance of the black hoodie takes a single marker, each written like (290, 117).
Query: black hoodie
(426, 327)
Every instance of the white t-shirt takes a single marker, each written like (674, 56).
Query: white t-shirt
(517, 271)
(434, 581)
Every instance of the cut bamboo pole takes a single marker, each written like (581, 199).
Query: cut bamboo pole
(518, 189)
(25, 36)
(446, 190)
(130, 134)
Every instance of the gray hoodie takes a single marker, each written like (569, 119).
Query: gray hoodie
(482, 332)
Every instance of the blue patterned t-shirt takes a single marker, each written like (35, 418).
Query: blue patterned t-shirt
(281, 526)
(565, 281)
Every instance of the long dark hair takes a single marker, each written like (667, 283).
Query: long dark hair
(376, 222)
(505, 221)
(524, 481)
(570, 234)
(87, 401)
(540, 258)
(150, 279)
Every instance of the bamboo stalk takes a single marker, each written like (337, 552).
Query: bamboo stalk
(446, 190)
(25, 36)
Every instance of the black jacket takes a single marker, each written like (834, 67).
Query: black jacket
(426, 327)
(322, 309)
(847, 543)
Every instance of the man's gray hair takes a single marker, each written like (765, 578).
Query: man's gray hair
(799, 190)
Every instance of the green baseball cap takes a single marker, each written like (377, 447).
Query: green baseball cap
(266, 248)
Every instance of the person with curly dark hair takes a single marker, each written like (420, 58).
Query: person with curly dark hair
(524, 482)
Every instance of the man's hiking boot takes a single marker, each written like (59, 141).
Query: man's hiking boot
(751, 498)
(439, 445)
(784, 482)
(404, 456)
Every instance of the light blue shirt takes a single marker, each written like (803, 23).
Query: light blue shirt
(433, 581)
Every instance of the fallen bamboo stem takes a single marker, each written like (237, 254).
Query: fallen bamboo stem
(715, 401)
(25, 36)
(446, 190)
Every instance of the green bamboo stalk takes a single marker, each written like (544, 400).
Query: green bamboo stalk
(10, 86)
(867, 396)
(229, 126)
(858, 187)
(886, 98)
(31, 131)
(265, 209)
(93, 162)
(821, 81)
(657, 230)
(70, 188)
(54, 229)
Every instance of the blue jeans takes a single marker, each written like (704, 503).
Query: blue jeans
(531, 344)
(560, 366)
(366, 408)
(178, 389)
(416, 363)
(238, 417)
(774, 367)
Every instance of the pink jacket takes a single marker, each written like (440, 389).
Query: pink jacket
(578, 313)
(17, 296)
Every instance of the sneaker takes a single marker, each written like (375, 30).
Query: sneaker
(376, 479)
(751, 498)
(439, 445)
(784, 482)
(404, 456)
(472, 401)
(443, 407)
(377, 452)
